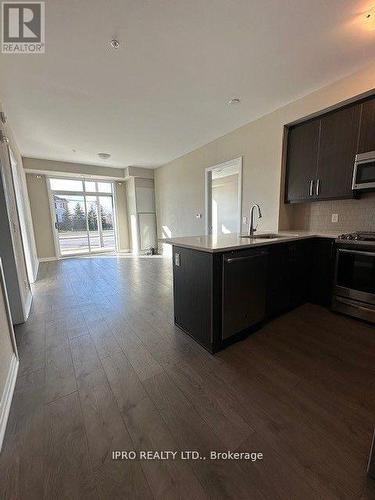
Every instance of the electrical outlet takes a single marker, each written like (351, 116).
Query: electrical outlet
(335, 218)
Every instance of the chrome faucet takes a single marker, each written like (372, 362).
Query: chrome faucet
(252, 229)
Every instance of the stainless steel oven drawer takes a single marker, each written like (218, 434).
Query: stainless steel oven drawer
(354, 295)
(354, 308)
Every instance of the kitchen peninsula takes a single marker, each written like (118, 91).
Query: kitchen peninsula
(229, 285)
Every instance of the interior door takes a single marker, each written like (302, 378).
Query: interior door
(24, 216)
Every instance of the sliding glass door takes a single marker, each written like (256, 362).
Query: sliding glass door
(84, 216)
(71, 223)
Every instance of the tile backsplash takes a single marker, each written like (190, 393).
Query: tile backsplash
(353, 215)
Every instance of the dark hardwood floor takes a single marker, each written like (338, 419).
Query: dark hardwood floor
(103, 368)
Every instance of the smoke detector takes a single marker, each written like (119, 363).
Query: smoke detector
(115, 44)
(104, 156)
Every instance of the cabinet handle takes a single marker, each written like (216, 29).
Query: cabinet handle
(248, 257)
(311, 187)
(317, 187)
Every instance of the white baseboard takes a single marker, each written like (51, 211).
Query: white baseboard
(36, 270)
(6, 399)
(47, 259)
(28, 305)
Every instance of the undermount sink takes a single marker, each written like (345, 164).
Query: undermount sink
(268, 236)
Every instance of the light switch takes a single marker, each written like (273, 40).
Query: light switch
(244, 220)
(177, 259)
(335, 217)
(198, 216)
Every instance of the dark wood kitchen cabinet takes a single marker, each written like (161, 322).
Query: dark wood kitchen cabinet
(218, 297)
(289, 270)
(322, 270)
(299, 263)
(367, 129)
(337, 149)
(278, 282)
(303, 141)
(243, 290)
(222, 296)
(193, 291)
(321, 152)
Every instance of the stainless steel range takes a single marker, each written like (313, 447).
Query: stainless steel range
(354, 284)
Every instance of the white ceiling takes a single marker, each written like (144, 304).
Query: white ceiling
(165, 91)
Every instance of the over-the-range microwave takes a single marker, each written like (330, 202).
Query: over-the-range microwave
(364, 171)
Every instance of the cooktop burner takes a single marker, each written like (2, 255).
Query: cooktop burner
(358, 236)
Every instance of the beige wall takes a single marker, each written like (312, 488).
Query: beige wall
(63, 167)
(122, 218)
(132, 214)
(180, 183)
(41, 214)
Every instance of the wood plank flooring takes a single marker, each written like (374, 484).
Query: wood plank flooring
(103, 368)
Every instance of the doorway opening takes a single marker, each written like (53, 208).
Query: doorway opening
(83, 216)
(224, 197)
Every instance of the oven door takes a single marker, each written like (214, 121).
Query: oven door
(355, 275)
(364, 172)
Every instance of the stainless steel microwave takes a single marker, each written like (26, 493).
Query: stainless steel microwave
(364, 171)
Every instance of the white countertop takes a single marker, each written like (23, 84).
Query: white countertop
(234, 241)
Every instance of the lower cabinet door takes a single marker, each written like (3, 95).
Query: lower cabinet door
(300, 255)
(244, 291)
(192, 291)
(322, 270)
(278, 280)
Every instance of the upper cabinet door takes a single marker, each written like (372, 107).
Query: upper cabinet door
(367, 129)
(337, 150)
(302, 157)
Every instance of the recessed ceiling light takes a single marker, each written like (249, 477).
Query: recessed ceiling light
(234, 100)
(115, 43)
(104, 156)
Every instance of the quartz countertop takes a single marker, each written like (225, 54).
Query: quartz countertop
(234, 241)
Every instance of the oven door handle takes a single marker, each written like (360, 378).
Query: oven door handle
(357, 252)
